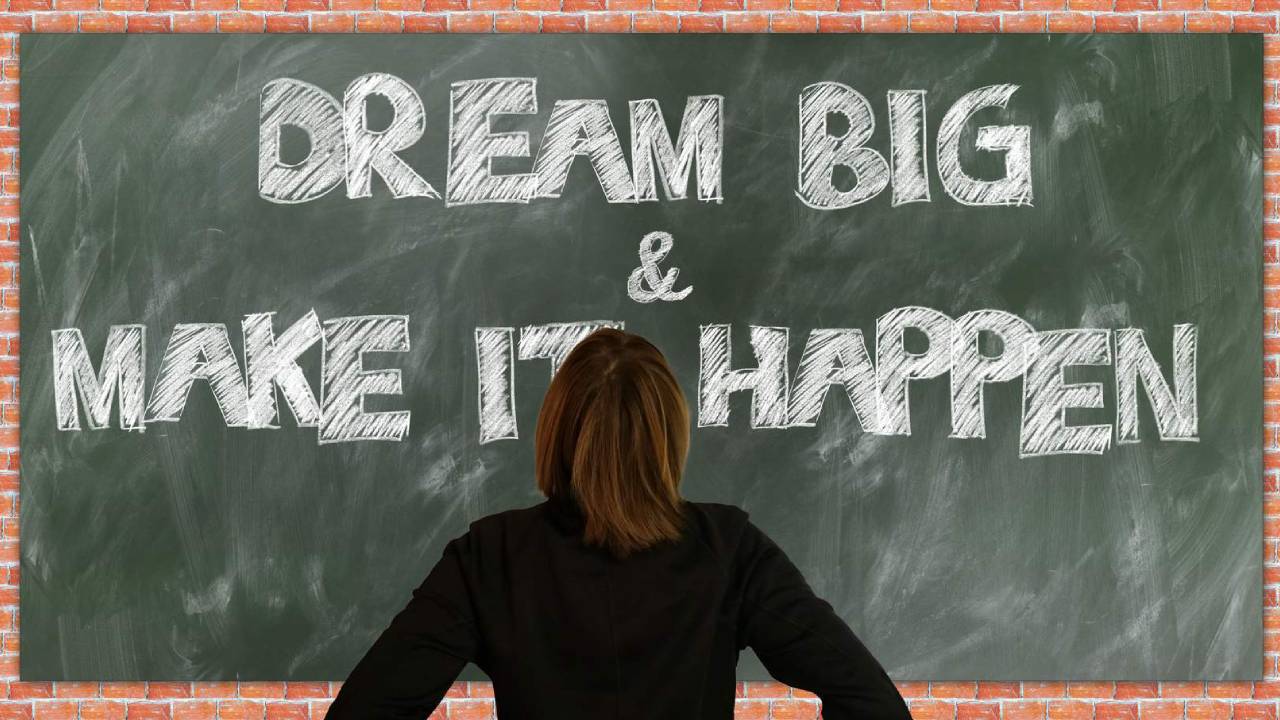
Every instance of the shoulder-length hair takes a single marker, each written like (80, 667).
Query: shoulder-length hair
(613, 434)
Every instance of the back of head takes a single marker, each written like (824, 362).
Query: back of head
(613, 434)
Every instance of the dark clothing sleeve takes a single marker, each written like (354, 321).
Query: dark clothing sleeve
(804, 643)
(413, 663)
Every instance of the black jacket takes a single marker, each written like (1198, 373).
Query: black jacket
(565, 631)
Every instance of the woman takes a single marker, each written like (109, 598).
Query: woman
(615, 597)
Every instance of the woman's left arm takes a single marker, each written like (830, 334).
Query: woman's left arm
(417, 658)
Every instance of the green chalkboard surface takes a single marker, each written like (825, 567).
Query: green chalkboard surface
(290, 304)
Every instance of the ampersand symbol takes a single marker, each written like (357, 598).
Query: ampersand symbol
(647, 283)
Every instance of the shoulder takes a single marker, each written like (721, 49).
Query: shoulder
(496, 530)
(724, 514)
(723, 527)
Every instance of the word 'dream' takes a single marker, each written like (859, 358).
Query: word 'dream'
(878, 385)
(343, 149)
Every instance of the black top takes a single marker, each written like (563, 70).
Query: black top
(566, 631)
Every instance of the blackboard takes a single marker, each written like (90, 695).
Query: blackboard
(199, 548)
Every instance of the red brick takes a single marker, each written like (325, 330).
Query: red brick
(287, 24)
(1208, 710)
(241, 23)
(885, 22)
(102, 22)
(1023, 710)
(124, 690)
(656, 22)
(793, 710)
(766, 689)
(470, 710)
(1069, 710)
(1115, 711)
(148, 711)
(1208, 22)
(102, 710)
(1161, 709)
(213, 689)
(148, 24)
(1023, 22)
(564, 23)
(608, 22)
(516, 22)
(1130, 689)
(922, 709)
(746, 23)
(56, 710)
(470, 22)
(56, 22)
(195, 22)
(377, 22)
(793, 22)
(839, 23)
(195, 710)
(932, 22)
(1253, 23)
(1161, 22)
(978, 711)
(1254, 711)
(19, 690)
(978, 23)
(287, 711)
(426, 23)
(157, 690)
(1116, 23)
(1182, 689)
(333, 22)
(1230, 690)
(240, 710)
(701, 23)
(958, 690)
(14, 23)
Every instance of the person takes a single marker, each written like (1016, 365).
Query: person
(614, 597)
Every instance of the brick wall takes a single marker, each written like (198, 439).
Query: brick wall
(757, 700)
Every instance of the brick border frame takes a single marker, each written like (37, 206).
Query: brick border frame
(756, 700)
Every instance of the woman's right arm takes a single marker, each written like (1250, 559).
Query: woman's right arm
(804, 643)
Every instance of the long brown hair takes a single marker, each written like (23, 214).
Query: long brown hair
(613, 434)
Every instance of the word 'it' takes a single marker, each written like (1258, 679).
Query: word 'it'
(879, 389)
(203, 352)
